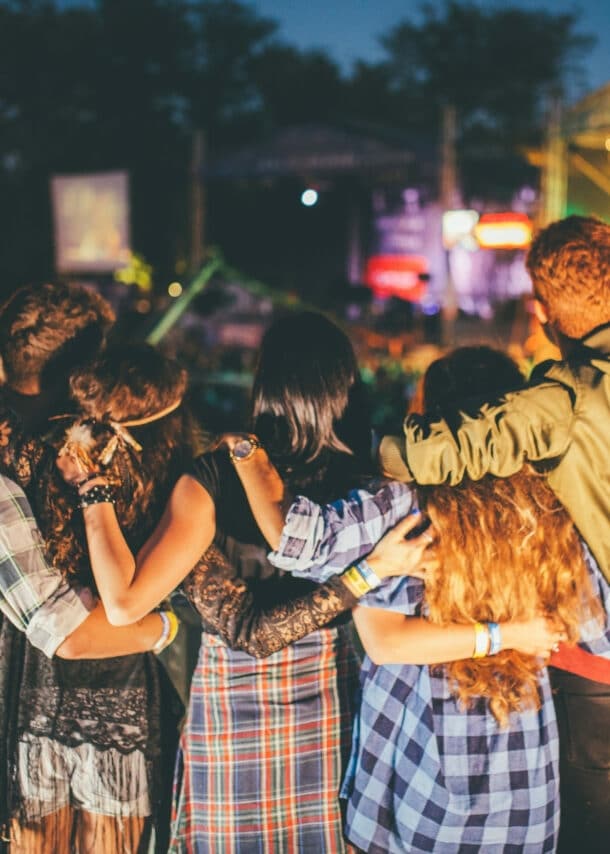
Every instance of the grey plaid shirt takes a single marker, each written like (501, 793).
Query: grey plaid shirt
(34, 597)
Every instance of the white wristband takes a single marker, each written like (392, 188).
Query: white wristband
(164, 632)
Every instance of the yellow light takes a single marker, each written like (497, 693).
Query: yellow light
(174, 289)
(503, 231)
(607, 143)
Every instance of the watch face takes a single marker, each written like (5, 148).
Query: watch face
(243, 449)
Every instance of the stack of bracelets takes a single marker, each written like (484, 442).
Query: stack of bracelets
(100, 491)
(171, 625)
(360, 579)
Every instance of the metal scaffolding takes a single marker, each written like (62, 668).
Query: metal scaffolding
(575, 138)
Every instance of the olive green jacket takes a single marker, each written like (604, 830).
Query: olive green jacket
(562, 416)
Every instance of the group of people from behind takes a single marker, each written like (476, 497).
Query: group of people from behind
(444, 738)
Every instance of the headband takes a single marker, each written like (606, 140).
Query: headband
(122, 434)
(79, 440)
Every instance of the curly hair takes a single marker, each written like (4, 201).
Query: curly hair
(127, 383)
(569, 264)
(42, 326)
(508, 550)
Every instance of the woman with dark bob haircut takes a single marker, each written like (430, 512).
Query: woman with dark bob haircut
(268, 729)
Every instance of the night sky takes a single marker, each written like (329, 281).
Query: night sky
(348, 29)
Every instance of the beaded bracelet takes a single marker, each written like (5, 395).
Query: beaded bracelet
(100, 494)
(482, 640)
(91, 476)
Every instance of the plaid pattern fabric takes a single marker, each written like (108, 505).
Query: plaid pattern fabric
(319, 541)
(427, 776)
(34, 597)
(591, 638)
(264, 747)
(322, 540)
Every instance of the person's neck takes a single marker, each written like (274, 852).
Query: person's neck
(34, 405)
(564, 344)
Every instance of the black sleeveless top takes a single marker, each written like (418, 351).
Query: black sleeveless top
(239, 595)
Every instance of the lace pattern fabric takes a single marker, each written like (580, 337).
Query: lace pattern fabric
(102, 723)
(109, 719)
(261, 617)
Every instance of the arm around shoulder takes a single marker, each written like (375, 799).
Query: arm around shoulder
(531, 424)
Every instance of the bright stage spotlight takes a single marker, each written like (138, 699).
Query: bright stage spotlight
(309, 197)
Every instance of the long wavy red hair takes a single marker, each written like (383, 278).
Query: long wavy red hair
(507, 547)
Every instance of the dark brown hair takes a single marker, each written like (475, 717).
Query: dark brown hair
(51, 326)
(308, 402)
(125, 383)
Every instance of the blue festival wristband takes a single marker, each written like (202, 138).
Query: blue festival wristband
(495, 637)
(371, 577)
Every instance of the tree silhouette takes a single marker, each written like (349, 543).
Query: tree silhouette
(496, 66)
(116, 84)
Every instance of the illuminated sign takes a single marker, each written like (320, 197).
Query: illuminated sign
(91, 222)
(503, 231)
(458, 227)
(401, 276)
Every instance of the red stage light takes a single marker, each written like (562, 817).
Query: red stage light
(402, 276)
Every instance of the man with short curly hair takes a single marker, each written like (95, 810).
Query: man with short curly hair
(569, 264)
(563, 416)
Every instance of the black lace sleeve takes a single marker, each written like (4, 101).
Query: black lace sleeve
(250, 615)
(19, 454)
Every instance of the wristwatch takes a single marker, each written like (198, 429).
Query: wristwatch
(244, 449)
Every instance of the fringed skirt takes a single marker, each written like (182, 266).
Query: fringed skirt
(88, 754)
(264, 748)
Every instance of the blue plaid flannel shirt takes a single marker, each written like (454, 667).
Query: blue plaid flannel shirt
(425, 774)
(33, 596)
(319, 541)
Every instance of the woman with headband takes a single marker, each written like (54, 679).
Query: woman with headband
(96, 738)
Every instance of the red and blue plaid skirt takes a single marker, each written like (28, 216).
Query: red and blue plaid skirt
(264, 748)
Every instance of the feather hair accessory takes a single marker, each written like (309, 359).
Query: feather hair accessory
(78, 444)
